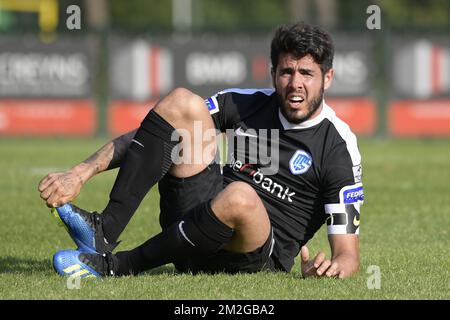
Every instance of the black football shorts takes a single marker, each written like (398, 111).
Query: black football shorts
(180, 195)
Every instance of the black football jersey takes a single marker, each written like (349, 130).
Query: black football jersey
(306, 174)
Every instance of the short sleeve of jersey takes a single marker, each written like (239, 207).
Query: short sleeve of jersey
(230, 106)
(343, 189)
(218, 105)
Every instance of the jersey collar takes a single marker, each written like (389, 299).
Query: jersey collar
(326, 111)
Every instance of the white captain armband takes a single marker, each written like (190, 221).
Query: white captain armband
(342, 218)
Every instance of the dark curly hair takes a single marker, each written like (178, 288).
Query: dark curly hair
(302, 39)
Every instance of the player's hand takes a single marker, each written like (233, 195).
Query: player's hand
(320, 266)
(58, 188)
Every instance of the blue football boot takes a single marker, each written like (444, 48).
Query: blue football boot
(85, 228)
(73, 263)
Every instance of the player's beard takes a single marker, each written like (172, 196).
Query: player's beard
(311, 106)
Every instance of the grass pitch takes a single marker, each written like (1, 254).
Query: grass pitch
(404, 232)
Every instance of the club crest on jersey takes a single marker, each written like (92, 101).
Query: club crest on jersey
(300, 162)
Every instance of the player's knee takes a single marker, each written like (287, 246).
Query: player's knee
(181, 103)
(182, 94)
(241, 198)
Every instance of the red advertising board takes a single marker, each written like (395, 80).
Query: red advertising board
(416, 118)
(124, 116)
(47, 117)
(359, 113)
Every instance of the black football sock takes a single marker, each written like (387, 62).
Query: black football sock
(147, 160)
(199, 232)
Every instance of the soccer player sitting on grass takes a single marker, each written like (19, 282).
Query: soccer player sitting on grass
(246, 218)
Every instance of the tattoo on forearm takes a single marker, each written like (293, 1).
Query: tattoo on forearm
(101, 158)
(111, 154)
(120, 146)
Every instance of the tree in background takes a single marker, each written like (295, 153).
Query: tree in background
(240, 16)
(417, 14)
